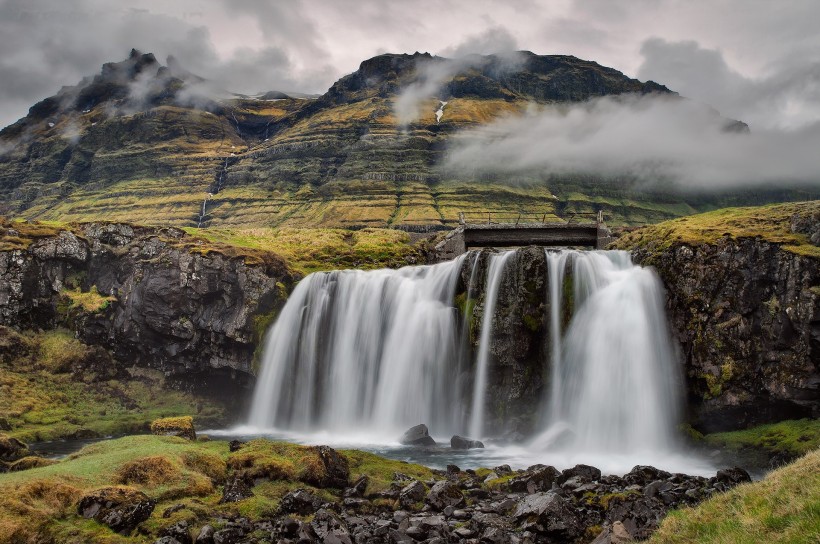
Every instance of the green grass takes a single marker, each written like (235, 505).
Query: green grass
(43, 399)
(770, 223)
(796, 437)
(40, 503)
(311, 249)
(782, 508)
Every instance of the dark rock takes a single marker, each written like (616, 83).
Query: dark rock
(236, 489)
(412, 493)
(417, 533)
(443, 494)
(330, 528)
(120, 508)
(172, 510)
(12, 449)
(548, 514)
(180, 532)
(531, 481)
(167, 540)
(733, 476)
(206, 535)
(417, 436)
(461, 443)
(453, 470)
(642, 475)
(4, 424)
(235, 445)
(230, 535)
(640, 515)
(336, 469)
(586, 472)
(358, 488)
(613, 534)
(300, 502)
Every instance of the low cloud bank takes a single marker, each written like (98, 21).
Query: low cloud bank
(653, 140)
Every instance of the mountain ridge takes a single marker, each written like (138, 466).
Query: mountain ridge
(148, 143)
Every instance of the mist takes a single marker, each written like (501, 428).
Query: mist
(651, 139)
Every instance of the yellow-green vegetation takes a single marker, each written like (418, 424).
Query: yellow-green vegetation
(19, 233)
(782, 508)
(771, 223)
(309, 250)
(90, 301)
(796, 437)
(42, 398)
(179, 426)
(42, 502)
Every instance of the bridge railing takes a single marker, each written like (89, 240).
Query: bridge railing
(515, 218)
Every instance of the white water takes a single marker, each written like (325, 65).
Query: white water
(495, 271)
(355, 358)
(440, 111)
(615, 380)
(368, 352)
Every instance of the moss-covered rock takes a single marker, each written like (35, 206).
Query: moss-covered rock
(182, 426)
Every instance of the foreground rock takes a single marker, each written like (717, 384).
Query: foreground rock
(120, 508)
(182, 427)
(417, 436)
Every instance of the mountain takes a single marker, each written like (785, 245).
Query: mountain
(154, 144)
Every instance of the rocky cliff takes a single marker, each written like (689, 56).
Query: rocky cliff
(746, 310)
(155, 298)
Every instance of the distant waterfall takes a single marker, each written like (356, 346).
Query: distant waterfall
(614, 378)
(374, 351)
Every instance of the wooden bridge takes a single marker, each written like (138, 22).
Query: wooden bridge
(494, 229)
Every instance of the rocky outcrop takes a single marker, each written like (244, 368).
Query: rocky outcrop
(747, 315)
(155, 298)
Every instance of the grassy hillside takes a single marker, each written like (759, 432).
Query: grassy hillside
(776, 223)
(782, 508)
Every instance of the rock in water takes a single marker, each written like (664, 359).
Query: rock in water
(417, 436)
(121, 508)
(461, 443)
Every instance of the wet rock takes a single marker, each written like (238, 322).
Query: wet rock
(236, 489)
(336, 469)
(548, 514)
(417, 436)
(540, 479)
(300, 502)
(733, 476)
(461, 443)
(120, 508)
(412, 493)
(443, 494)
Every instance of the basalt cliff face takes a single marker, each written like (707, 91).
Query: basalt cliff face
(747, 315)
(153, 297)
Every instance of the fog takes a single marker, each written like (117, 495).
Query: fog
(652, 139)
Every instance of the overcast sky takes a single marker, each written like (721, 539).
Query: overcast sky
(754, 60)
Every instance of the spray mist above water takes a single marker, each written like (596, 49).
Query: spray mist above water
(368, 354)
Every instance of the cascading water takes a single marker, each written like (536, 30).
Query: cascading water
(359, 351)
(614, 379)
(365, 355)
(494, 273)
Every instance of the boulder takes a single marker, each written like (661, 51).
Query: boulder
(461, 443)
(120, 508)
(733, 476)
(335, 473)
(206, 535)
(12, 449)
(586, 472)
(300, 502)
(443, 494)
(412, 493)
(180, 532)
(174, 426)
(358, 488)
(236, 489)
(548, 514)
(539, 479)
(614, 534)
(417, 436)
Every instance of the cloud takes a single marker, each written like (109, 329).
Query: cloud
(788, 97)
(652, 140)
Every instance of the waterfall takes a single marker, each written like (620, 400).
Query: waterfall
(357, 351)
(494, 275)
(614, 374)
(556, 265)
